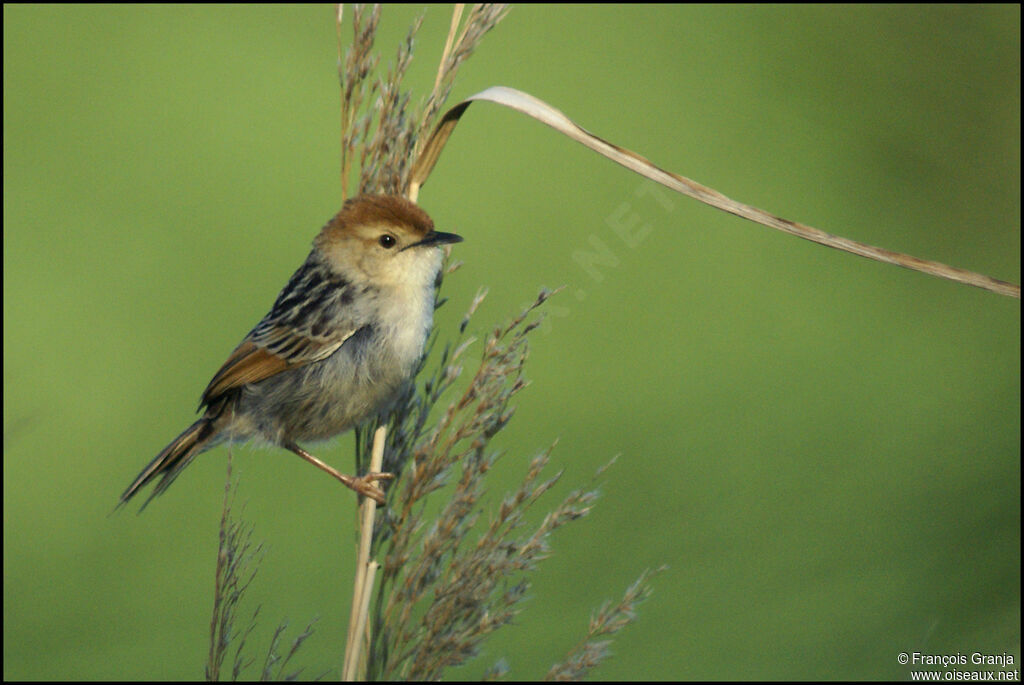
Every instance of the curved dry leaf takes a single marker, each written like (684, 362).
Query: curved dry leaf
(545, 113)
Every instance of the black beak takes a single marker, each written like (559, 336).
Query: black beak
(436, 238)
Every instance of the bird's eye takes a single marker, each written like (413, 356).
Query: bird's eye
(387, 241)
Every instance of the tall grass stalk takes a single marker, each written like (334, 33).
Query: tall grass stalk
(450, 574)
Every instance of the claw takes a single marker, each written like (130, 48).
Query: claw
(364, 485)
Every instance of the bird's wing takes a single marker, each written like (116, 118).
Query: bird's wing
(308, 323)
(252, 362)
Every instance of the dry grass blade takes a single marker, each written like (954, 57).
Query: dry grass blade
(481, 19)
(545, 113)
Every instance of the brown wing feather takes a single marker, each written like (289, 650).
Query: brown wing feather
(308, 322)
(247, 364)
(252, 362)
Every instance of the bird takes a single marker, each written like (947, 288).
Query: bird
(340, 342)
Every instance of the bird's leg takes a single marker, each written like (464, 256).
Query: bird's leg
(364, 485)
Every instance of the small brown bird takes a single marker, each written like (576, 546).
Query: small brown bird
(341, 340)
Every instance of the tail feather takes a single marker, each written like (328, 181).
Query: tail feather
(172, 459)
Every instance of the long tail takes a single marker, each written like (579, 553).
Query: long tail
(172, 459)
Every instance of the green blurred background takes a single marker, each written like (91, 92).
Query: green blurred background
(823, 449)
